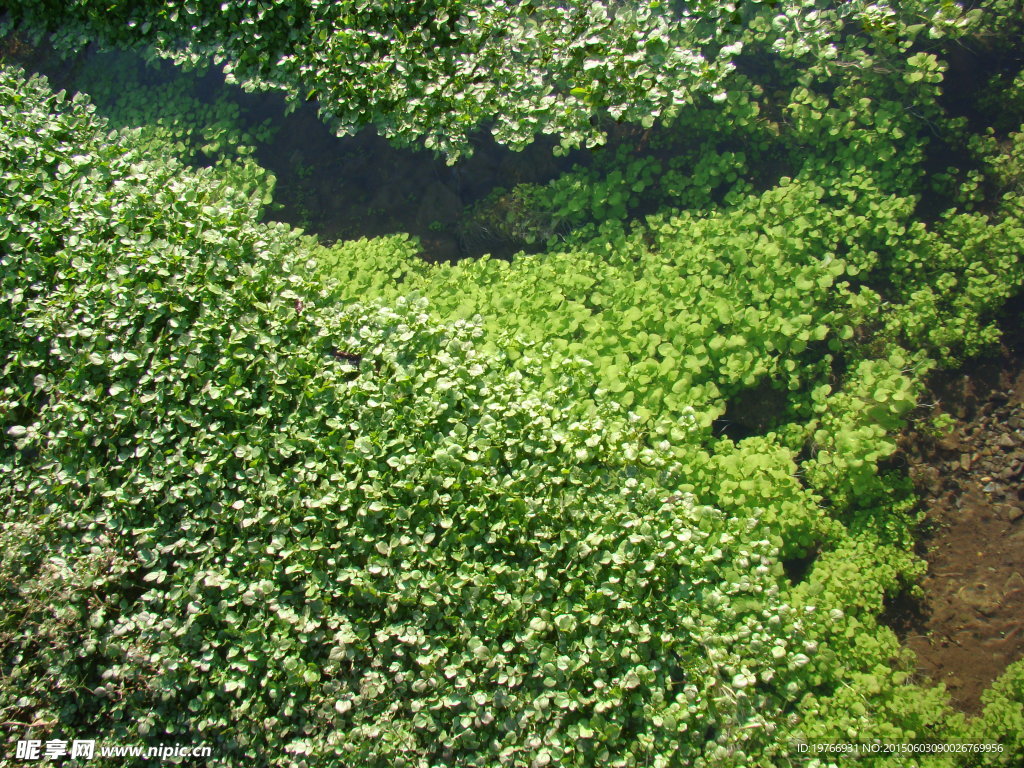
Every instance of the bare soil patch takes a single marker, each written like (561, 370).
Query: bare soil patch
(970, 624)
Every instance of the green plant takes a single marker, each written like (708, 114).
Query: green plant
(1002, 720)
(627, 501)
(938, 425)
(306, 532)
(168, 111)
(435, 73)
(522, 215)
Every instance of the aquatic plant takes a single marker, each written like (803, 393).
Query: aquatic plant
(437, 72)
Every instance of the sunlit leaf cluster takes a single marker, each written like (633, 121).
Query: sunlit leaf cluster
(629, 501)
(319, 531)
(437, 71)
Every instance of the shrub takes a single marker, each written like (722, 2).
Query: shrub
(437, 71)
(240, 514)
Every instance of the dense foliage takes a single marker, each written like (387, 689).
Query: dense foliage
(385, 545)
(438, 70)
(627, 501)
(173, 116)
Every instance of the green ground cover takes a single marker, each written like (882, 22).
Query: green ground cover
(329, 504)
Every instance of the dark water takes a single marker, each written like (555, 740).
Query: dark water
(349, 187)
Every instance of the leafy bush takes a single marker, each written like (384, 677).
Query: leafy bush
(262, 495)
(305, 532)
(1002, 720)
(438, 71)
(173, 116)
(676, 317)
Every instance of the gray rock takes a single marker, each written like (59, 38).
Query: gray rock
(1013, 583)
(1006, 440)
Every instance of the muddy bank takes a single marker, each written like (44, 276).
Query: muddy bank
(970, 624)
